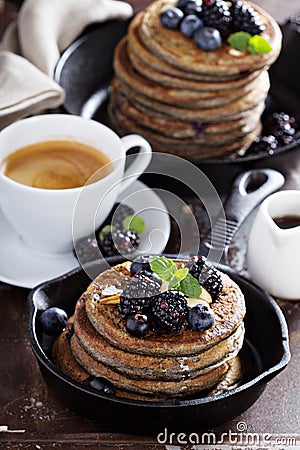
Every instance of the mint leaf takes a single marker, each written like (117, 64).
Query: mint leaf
(178, 276)
(179, 279)
(164, 267)
(134, 223)
(243, 41)
(174, 283)
(257, 44)
(105, 230)
(239, 40)
(190, 287)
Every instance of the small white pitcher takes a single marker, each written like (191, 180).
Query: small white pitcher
(273, 255)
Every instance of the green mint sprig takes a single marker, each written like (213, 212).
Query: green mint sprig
(178, 279)
(243, 42)
(134, 223)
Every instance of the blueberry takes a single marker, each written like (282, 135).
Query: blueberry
(201, 317)
(152, 275)
(140, 263)
(192, 8)
(182, 3)
(171, 17)
(190, 24)
(137, 325)
(53, 321)
(102, 385)
(207, 38)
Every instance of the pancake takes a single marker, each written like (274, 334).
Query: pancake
(151, 367)
(192, 150)
(234, 110)
(149, 65)
(178, 388)
(65, 361)
(183, 53)
(118, 277)
(229, 311)
(192, 99)
(222, 132)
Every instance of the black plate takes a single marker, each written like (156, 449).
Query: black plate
(85, 71)
(265, 352)
(85, 68)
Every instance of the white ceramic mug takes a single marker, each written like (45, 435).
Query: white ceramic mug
(43, 218)
(273, 255)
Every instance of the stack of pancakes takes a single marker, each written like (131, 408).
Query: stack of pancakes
(184, 100)
(157, 366)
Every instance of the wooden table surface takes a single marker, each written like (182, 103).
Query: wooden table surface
(27, 405)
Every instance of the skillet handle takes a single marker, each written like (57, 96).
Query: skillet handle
(249, 190)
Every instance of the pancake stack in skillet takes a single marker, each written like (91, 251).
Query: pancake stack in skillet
(158, 366)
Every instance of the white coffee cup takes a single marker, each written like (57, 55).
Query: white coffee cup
(43, 218)
(273, 253)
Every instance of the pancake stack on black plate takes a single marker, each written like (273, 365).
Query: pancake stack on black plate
(158, 366)
(184, 100)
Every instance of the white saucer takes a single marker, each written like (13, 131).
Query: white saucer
(20, 266)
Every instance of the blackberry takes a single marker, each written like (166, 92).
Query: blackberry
(285, 137)
(196, 265)
(124, 242)
(245, 18)
(263, 144)
(282, 126)
(168, 312)
(206, 274)
(212, 283)
(137, 295)
(86, 249)
(216, 14)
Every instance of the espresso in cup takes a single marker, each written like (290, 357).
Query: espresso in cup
(60, 164)
(62, 208)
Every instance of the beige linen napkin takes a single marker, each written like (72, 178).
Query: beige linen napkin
(44, 29)
(24, 89)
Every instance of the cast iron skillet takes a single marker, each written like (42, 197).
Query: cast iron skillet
(265, 351)
(85, 71)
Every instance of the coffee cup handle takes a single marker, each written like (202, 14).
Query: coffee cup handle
(141, 160)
